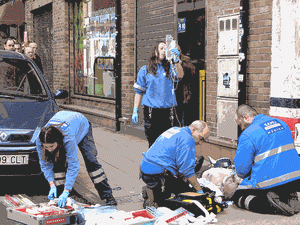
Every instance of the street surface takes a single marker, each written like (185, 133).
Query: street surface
(120, 155)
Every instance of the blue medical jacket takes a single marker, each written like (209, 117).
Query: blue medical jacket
(173, 150)
(157, 90)
(75, 127)
(266, 156)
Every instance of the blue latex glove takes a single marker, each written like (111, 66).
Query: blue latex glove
(200, 192)
(135, 116)
(52, 193)
(62, 199)
(175, 55)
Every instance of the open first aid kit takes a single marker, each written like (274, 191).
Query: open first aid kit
(191, 201)
(22, 209)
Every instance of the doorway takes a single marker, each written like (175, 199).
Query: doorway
(191, 39)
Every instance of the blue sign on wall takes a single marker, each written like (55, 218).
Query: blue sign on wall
(181, 25)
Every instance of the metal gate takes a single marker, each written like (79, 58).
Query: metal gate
(155, 19)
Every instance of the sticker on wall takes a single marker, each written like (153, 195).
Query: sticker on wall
(181, 25)
(228, 77)
(226, 80)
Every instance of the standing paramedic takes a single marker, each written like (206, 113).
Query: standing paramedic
(170, 161)
(58, 157)
(155, 87)
(269, 164)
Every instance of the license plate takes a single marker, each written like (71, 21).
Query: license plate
(13, 159)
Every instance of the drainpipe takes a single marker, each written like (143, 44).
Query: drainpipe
(175, 21)
(118, 65)
(243, 42)
(69, 41)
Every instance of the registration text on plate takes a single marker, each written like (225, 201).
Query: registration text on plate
(13, 159)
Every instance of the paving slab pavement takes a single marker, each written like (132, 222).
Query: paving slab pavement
(120, 155)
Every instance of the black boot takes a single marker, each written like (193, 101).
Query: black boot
(105, 192)
(278, 205)
(111, 201)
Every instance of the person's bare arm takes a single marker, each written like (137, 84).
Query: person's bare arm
(137, 100)
(179, 70)
(193, 181)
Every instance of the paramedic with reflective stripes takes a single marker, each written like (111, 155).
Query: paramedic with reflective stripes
(170, 160)
(155, 87)
(268, 162)
(57, 150)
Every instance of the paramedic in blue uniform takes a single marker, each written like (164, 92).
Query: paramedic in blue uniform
(268, 162)
(57, 150)
(155, 87)
(170, 161)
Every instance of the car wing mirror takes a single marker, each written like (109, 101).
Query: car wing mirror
(61, 94)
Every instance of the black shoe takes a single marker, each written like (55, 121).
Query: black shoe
(148, 196)
(279, 206)
(111, 201)
(294, 202)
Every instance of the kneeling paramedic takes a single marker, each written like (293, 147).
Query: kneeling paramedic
(269, 164)
(58, 157)
(171, 160)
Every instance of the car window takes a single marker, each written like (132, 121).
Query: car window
(18, 77)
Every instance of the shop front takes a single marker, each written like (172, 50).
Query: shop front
(95, 49)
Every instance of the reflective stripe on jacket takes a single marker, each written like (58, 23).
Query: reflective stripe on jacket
(157, 90)
(266, 156)
(75, 127)
(173, 150)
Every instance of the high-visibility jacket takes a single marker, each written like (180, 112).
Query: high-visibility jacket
(157, 91)
(266, 156)
(174, 150)
(75, 127)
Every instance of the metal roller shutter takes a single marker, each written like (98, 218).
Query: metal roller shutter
(155, 19)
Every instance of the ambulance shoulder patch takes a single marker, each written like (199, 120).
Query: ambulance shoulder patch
(272, 126)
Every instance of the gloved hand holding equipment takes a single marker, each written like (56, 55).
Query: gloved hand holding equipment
(175, 55)
(200, 192)
(52, 193)
(62, 199)
(135, 116)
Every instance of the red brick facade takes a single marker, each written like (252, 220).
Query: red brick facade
(60, 41)
(258, 58)
(259, 54)
(128, 55)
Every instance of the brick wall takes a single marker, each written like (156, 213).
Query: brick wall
(259, 54)
(128, 55)
(213, 10)
(29, 18)
(60, 45)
